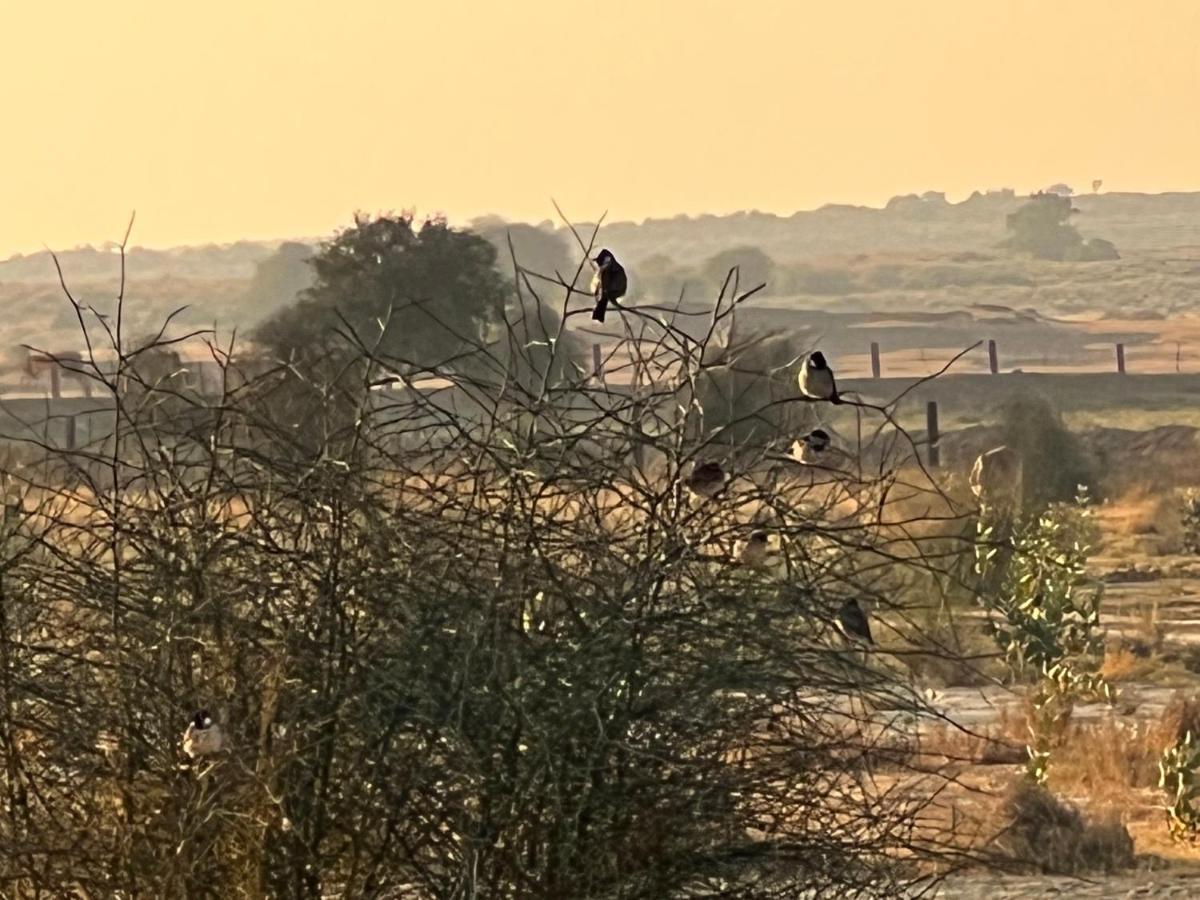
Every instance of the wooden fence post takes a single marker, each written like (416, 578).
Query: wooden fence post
(993, 358)
(55, 380)
(597, 362)
(875, 367)
(931, 428)
(1121, 358)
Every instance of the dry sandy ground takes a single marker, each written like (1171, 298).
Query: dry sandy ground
(1157, 885)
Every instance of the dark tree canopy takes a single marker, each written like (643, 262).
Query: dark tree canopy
(1055, 463)
(754, 266)
(431, 290)
(280, 278)
(1043, 229)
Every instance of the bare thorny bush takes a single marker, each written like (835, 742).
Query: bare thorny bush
(468, 638)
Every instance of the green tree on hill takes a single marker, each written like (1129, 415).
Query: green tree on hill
(754, 267)
(1042, 228)
(425, 294)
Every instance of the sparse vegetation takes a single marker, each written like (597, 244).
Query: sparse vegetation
(279, 805)
(461, 640)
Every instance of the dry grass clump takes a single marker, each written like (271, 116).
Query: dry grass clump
(1125, 662)
(1181, 716)
(1112, 758)
(1106, 761)
(1047, 835)
(1145, 518)
(1003, 743)
(1138, 654)
(944, 652)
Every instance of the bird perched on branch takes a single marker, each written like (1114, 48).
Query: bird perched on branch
(707, 479)
(816, 379)
(608, 284)
(853, 624)
(812, 449)
(756, 549)
(203, 736)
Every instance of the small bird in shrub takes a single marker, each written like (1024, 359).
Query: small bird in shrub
(853, 624)
(813, 448)
(203, 736)
(756, 549)
(707, 480)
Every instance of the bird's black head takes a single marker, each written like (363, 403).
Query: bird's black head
(817, 360)
(603, 258)
(819, 439)
(202, 719)
(758, 537)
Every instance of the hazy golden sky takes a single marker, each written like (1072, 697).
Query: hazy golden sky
(221, 120)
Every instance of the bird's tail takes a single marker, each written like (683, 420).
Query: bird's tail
(598, 312)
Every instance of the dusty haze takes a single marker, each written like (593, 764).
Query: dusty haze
(282, 119)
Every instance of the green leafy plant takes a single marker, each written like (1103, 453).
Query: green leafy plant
(1177, 776)
(1043, 619)
(1190, 515)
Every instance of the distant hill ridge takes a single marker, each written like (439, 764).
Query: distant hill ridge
(909, 223)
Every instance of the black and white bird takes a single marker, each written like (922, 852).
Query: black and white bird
(813, 448)
(203, 736)
(853, 624)
(755, 550)
(608, 284)
(816, 379)
(707, 479)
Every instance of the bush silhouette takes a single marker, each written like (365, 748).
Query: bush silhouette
(1042, 228)
(1054, 462)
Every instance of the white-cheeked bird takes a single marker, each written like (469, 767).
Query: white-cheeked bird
(816, 379)
(813, 448)
(203, 736)
(608, 284)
